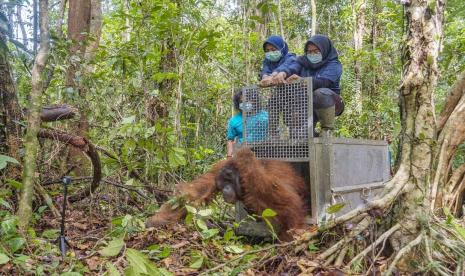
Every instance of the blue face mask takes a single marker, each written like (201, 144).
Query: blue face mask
(247, 106)
(314, 58)
(273, 56)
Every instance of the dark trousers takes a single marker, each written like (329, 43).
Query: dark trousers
(293, 106)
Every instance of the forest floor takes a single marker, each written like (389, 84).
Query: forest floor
(180, 249)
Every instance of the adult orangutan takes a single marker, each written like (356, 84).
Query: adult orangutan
(259, 184)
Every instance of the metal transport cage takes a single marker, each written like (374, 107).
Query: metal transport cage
(278, 124)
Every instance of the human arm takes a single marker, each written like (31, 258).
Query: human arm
(229, 148)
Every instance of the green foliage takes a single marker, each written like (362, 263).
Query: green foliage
(4, 160)
(113, 248)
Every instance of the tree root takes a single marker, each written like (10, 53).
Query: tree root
(402, 252)
(341, 244)
(381, 238)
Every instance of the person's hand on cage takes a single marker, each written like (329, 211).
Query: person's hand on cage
(293, 78)
(266, 81)
(279, 78)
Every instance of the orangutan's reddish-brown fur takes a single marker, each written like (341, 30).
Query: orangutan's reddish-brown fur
(199, 191)
(265, 183)
(272, 184)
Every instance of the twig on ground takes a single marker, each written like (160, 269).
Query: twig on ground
(47, 200)
(341, 256)
(238, 257)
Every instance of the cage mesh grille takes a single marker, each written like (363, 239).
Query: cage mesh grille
(277, 122)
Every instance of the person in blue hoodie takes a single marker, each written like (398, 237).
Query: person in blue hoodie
(278, 63)
(321, 62)
(256, 121)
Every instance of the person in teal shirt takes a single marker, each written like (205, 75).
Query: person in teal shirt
(256, 121)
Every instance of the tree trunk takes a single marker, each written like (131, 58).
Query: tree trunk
(35, 28)
(358, 9)
(12, 113)
(33, 120)
(314, 23)
(79, 21)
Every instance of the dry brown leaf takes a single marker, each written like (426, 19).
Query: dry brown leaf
(179, 245)
(93, 262)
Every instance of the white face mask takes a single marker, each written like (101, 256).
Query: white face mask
(246, 106)
(273, 56)
(314, 58)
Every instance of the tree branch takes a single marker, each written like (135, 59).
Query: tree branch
(456, 92)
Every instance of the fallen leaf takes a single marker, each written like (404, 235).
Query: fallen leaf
(93, 262)
(179, 245)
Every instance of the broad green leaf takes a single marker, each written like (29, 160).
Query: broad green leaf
(4, 160)
(335, 208)
(15, 184)
(312, 247)
(111, 270)
(197, 263)
(71, 273)
(460, 230)
(137, 260)
(191, 209)
(205, 212)
(228, 235)
(15, 244)
(209, 233)
(4, 259)
(268, 213)
(201, 224)
(113, 248)
(164, 253)
(233, 249)
(51, 234)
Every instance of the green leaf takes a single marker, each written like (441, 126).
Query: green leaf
(197, 263)
(191, 209)
(4, 259)
(205, 212)
(335, 208)
(268, 213)
(71, 273)
(202, 225)
(233, 249)
(210, 233)
(312, 247)
(111, 270)
(51, 234)
(460, 230)
(137, 260)
(15, 184)
(15, 244)
(228, 235)
(4, 160)
(164, 253)
(113, 248)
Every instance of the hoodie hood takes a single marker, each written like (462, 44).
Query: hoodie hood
(278, 42)
(326, 48)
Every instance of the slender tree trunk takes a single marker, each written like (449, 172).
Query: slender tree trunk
(280, 19)
(314, 17)
(35, 28)
(358, 9)
(21, 25)
(127, 24)
(79, 18)
(12, 113)
(33, 120)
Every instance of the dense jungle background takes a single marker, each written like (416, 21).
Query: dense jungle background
(147, 86)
